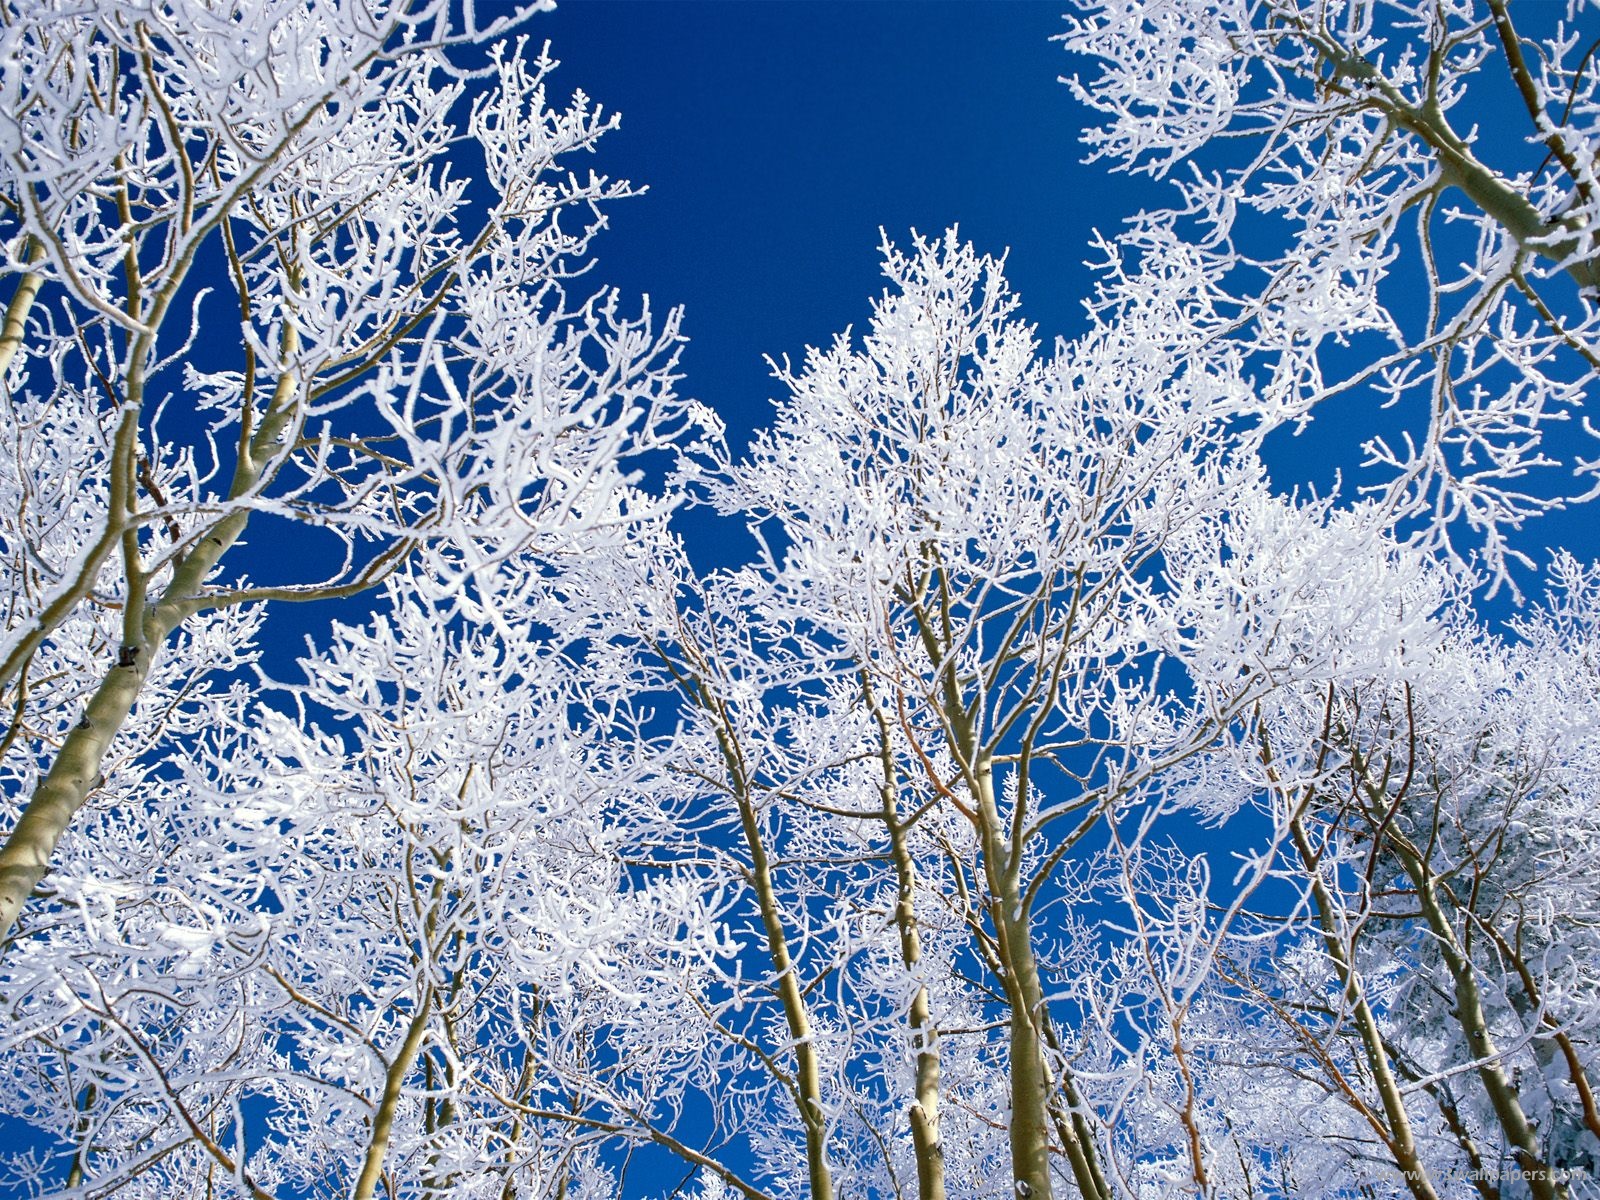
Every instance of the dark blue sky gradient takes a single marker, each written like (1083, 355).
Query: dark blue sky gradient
(776, 138)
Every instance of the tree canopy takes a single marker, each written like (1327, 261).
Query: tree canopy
(1055, 800)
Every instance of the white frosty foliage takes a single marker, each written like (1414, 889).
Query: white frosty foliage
(1050, 805)
(1365, 210)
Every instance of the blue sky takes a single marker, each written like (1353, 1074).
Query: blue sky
(776, 138)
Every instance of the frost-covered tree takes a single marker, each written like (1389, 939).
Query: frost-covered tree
(1049, 806)
(1395, 198)
(1016, 624)
(420, 925)
(404, 367)
(1415, 788)
(961, 544)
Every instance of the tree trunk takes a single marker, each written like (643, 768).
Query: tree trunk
(808, 1071)
(16, 318)
(1030, 1078)
(72, 778)
(1474, 1022)
(393, 1082)
(924, 1113)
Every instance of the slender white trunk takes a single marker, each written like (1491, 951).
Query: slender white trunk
(1030, 1079)
(808, 1069)
(73, 777)
(15, 323)
(1474, 1022)
(383, 1117)
(924, 1112)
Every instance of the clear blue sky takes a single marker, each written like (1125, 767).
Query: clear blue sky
(776, 138)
